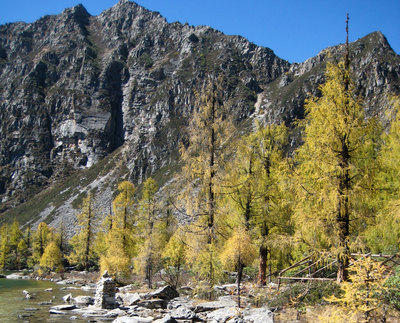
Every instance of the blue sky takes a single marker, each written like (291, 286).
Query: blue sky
(294, 29)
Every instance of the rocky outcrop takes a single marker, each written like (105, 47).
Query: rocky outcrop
(76, 88)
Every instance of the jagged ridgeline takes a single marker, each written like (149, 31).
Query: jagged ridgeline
(87, 101)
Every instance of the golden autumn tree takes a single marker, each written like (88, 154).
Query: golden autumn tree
(363, 297)
(150, 252)
(336, 166)
(119, 241)
(52, 257)
(174, 258)
(4, 245)
(238, 252)
(384, 235)
(257, 187)
(83, 243)
(205, 157)
(40, 239)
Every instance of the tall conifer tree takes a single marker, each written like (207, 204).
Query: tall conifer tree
(204, 160)
(335, 166)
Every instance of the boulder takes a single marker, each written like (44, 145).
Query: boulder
(166, 319)
(63, 307)
(84, 300)
(165, 292)
(128, 299)
(67, 298)
(153, 303)
(223, 314)
(126, 319)
(14, 276)
(57, 312)
(258, 315)
(182, 313)
(225, 301)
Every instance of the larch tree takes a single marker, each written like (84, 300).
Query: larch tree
(384, 235)
(336, 166)
(148, 221)
(239, 251)
(174, 258)
(16, 236)
(119, 242)
(4, 245)
(124, 217)
(40, 239)
(52, 256)
(205, 156)
(83, 242)
(257, 187)
(363, 296)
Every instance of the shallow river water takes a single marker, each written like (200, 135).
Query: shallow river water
(13, 302)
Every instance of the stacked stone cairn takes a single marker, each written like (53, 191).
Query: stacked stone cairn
(105, 292)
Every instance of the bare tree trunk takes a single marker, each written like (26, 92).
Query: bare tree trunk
(239, 278)
(262, 268)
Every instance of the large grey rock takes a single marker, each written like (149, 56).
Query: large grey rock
(63, 307)
(57, 312)
(166, 319)
(67, 298)
(82, 299)
(133, 320)
(182, 313)
(222, 302)
(14, 276)
(129, 299)
(153, 303)
(258, 315)
(223, 314)
(165, 292)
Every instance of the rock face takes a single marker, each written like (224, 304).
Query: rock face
(75, 88)
(105, 292)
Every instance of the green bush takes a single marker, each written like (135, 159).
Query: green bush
(146, 60)
(305, 293)
(393, 290)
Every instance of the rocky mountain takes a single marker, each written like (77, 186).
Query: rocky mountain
(88, 100)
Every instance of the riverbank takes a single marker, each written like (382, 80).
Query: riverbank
(133, 303)
(136, 303)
